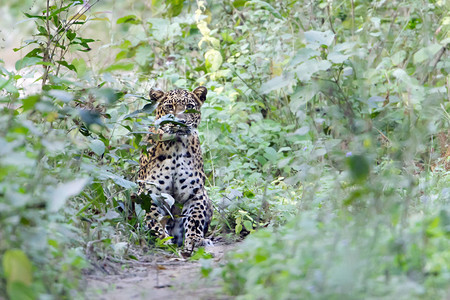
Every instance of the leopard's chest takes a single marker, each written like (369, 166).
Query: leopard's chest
(176, 168)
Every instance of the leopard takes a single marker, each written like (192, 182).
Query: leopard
(175, 167)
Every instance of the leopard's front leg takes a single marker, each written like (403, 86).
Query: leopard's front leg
(197, 217)
(153, 220)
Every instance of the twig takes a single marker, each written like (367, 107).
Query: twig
(383, 135)
(436, 61)
(46, 50)
(353, 18)
(250, 87)
(58, 35)
(72, 21)
(331, 23)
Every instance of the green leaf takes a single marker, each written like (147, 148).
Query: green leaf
(303, 55)
(337, 58)
(238, 228)
(200, 253)
(426, 53)
(163, 29)
(398, 57)
(27, 62)
(98, 147)
(29, 102)
(119, 67)
(108, 95)
(100, 198)
(308, 68)
(119, 180)
(266, 6)
(64, 191)
(175, 7)
(111, 214)
(319, 38)
(213, 60)
(147, 109)
(191, 111)
(20, 291)
(17, 267)
(34, 16)
(248, 225)
(143, 54)
(169, 119)
(276, 83)
(239, 3)
(80, 66)
(359, 167)
(70, 34)
(90, 117)
(66, 64)
(271, 154)
(249, 194)
(61, 95)
(131, 19)
(302, 95)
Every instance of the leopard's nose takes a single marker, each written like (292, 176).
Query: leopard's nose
(182, 118)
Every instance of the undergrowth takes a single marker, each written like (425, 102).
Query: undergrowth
(325, 139)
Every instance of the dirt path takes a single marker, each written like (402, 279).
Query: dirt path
(163, 278)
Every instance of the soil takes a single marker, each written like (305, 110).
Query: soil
(159, 277)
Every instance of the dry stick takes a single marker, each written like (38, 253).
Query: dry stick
(383, 135)
(353, 18)
(331, 23)
(250, 87)
(59, 35)
(46, 50)
(436, 61)
(74, 19)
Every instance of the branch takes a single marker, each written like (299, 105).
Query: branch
(436, 61)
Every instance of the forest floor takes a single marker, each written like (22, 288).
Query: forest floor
(157, 276)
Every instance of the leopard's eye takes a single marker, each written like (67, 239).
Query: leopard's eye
(189, 106)
(168, 107)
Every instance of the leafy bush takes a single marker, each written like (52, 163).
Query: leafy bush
(366, 93)
(326, 121)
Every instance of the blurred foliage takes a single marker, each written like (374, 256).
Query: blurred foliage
(325, 135)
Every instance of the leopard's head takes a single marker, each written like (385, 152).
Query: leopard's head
(183, 105)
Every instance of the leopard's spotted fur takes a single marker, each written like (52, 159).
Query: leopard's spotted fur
(175, 167)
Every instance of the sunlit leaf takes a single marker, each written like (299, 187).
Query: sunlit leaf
(27, 62)
(276, 83)
(271, 154)
(98, 147)
(337, 58)
(426, 53)
(80, 66)
(131, 19)
(119, 67)
(266, 6)
(61, 95)
(30, 101)
(303, 55)
(17, 267)
(64, 191)
(213, 60)
(310, 67)
(319, 38)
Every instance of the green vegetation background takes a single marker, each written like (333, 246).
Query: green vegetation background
(325, 137)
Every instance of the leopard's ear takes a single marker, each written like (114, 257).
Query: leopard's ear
(156, 95)
(201, 92)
